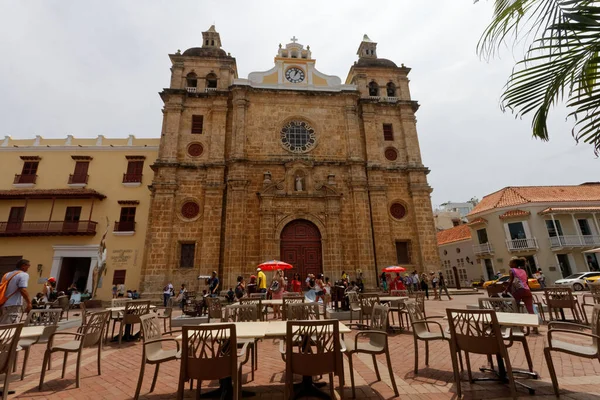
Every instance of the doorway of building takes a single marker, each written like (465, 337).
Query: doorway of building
(301, 247)
(565, 266)
(531, 266)
(489, 268)
(73, 270)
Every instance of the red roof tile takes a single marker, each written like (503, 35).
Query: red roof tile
(514, 213)
(477, 221)
(517, 195)
(50, 193)
(456, 234)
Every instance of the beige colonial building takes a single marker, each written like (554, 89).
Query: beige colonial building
(289, 164)
(459, 264)
(551, 226)
(56, 196)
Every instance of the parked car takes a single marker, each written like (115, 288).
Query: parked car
(591, 280)
(577, 281)
(532, 282)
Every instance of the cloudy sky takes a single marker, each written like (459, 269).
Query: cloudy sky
(95, 67)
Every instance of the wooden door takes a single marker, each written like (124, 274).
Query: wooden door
(301, 247)
(72, 216)
(15, 219)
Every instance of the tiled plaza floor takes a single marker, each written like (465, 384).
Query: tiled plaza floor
(579, 378)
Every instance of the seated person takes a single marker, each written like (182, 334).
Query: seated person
(85, 295)
(38, 301)
(135, 295)
(75, 297)
(230, 295)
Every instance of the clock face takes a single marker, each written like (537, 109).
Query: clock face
(294, 75)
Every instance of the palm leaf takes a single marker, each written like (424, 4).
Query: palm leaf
(561, 62)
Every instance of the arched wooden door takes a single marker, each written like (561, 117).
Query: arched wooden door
(301, 247)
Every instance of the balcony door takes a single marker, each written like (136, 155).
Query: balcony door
(72, 216)
(517, 234)
(15, 219)
(482, 236)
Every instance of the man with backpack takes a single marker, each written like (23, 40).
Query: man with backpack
(13, 287)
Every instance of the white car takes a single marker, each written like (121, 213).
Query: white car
(576, 281)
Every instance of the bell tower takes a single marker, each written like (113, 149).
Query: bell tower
(367, 48)
(211, 38)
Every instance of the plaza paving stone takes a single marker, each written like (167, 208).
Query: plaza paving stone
(579, 378)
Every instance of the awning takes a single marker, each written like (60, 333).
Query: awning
(50, 193)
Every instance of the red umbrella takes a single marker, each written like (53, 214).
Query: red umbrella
(274, 265)
(394, 268)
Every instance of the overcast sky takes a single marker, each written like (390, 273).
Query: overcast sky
(95, 67)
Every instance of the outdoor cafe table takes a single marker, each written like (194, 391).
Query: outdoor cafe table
(392, 298)
(260, 330)
(513, 320)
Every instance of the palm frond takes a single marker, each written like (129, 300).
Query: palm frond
(561, 62)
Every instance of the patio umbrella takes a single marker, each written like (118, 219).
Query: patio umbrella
(274, 265)
(394, 268)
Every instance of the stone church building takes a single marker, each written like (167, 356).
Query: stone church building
(289, 164)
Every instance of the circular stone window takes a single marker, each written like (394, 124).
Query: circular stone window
(391, 154)
(298, 136)
(195, 149)
(398, 211)
(190, 209)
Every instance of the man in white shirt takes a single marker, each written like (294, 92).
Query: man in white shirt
(16, 292)
(167, 291)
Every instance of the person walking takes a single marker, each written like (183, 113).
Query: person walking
(539, 275)
(262, 281)
(276, 289)
(442, 286)
(182, 297)
(16, 291)
(167, 291)
(424, 284)
(213, 285)
(296, 284)
(415, 281)
(434, 281)
(517, 283)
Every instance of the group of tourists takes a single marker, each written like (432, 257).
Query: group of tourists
(414, 282)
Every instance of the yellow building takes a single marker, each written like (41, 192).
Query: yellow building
(57, 197)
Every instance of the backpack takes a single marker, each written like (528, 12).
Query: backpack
(4, 286)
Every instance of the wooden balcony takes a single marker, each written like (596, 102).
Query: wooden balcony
(24, 179)
(132, 178)
(124, 226)
(78, 179)
(48, 228)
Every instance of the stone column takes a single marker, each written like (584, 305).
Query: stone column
(353, 137)
(333, 235)
(384, 246)
(210, 255)
(362, 225)
(411, 140)
(170, 133)
(235, 230)
(217, 137)
(424, 223)
(157, 261)
(238, 140)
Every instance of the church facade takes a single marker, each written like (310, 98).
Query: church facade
(288, 164)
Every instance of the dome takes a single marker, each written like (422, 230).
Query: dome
(205, 52)
(375, 62)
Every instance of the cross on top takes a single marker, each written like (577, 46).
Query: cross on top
(294, 39)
